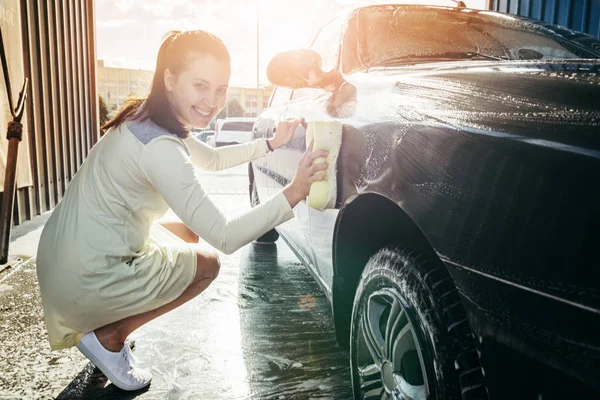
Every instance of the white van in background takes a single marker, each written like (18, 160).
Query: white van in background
(233, 131)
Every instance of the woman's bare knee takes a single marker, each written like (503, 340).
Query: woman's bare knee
(208, 264)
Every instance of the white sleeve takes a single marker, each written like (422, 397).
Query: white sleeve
(169, 169)
(216, 159)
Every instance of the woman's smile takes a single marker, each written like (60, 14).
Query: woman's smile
(202, 112)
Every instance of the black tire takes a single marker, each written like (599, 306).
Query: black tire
(272, 235)
(419, 332)
(268, 238)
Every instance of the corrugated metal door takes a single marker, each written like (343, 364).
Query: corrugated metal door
(59, 49)
(579, 15)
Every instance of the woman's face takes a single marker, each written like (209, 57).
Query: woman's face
(199, 91)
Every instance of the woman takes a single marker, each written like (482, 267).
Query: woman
(104, 268)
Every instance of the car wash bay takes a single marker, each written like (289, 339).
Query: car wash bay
(262, 330)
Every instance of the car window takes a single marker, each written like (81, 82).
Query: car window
(393, 35)
(238, 126)
(281, 96)
(327, 43)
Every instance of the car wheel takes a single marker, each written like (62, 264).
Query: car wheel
(272, 235)
(410, 338)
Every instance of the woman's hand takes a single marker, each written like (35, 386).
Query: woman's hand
(306, 173)
(285, 132)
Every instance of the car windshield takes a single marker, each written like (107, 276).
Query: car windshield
(238, 126)
(396, 35)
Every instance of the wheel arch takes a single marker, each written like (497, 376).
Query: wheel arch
(365, 224)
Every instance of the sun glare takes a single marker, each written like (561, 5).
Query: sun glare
(282, 25)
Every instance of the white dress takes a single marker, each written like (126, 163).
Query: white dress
(98, 261)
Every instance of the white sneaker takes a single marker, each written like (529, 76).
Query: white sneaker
(119, 367)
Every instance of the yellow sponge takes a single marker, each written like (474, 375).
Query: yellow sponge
(327, 135)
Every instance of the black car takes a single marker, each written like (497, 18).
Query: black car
(463, 242)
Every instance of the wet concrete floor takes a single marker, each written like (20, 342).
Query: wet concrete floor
(262, 330)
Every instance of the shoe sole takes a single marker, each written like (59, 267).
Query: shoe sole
(86, 352)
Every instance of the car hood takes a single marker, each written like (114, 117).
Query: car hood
(556, 103)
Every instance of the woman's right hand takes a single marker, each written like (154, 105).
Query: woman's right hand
(307, 172)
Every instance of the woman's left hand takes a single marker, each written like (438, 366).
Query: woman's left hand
(285, 132)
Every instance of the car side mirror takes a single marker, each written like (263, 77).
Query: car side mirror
(297, 69)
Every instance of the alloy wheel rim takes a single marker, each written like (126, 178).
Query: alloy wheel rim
(388, 356)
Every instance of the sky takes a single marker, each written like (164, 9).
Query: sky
(129, 32)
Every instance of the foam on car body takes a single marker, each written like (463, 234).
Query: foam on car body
(327, 135)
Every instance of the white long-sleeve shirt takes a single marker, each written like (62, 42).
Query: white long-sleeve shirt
(96, 263)
(169, 167)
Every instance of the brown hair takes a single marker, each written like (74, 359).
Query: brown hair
(172, 55)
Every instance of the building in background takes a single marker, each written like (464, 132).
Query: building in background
(115, 85)
(253, 100)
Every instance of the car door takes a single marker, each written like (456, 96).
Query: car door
(263, 169)
(321, 223)
(311, 105)
(283, 164)
(313, 230)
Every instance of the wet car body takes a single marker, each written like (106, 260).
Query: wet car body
(493, 166)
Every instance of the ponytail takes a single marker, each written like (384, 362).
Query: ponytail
(129, 109)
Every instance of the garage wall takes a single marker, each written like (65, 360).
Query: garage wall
(58, 38)
(579, 15)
